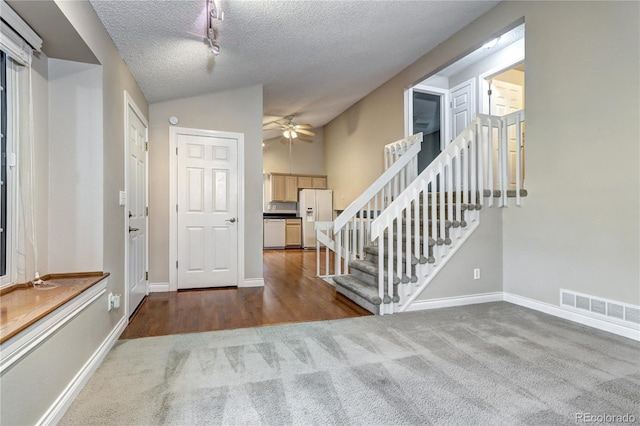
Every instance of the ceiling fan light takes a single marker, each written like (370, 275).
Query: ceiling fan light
(290, 134)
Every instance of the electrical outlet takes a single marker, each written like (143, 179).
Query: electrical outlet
(476, 274)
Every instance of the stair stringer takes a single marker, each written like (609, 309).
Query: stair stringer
(432, 271)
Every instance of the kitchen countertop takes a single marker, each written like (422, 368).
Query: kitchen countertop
(280, 216)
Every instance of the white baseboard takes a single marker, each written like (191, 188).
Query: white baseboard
(556, 311)
(448, 302)
(158, 287)
(64, 400)
(252, 282)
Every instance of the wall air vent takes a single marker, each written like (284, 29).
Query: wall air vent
(632, 314)
(597, 307)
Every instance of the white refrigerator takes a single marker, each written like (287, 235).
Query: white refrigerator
(314, 205)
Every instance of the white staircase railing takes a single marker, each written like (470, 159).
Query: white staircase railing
(423, 227)
(351, 231)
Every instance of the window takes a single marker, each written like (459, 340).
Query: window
(4, 175)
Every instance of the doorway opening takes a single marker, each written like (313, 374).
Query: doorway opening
(428, 119)
(483, 81)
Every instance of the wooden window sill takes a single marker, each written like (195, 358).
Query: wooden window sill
(22, 305)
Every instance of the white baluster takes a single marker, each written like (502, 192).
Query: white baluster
(473, 186)
(480, 146)
(338, 259)
(518, 159)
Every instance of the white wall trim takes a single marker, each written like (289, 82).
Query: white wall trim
(252, 282)
(556, 311)
(159, 287)
(447, 302)
(64, 400)
(173, 198)
(19, 346)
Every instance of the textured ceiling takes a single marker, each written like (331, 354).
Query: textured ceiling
(314, 58)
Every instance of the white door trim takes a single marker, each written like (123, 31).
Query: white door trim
(173, 198)
(130, 103)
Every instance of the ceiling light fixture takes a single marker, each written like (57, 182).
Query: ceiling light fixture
(215, 14)
(491, 43)
(289, 133)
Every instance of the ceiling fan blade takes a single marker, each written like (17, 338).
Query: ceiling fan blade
(304, 126)
(306, 132)
(272, 122)
(303, 139)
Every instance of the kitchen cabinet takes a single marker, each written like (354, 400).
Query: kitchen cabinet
(284, 188)
(319, 182)
(278, 188)
(305, 182)
(312, 182)
(291, 189)
(293, 234)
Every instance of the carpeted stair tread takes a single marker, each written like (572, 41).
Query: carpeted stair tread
(358, 287)
(368, 268)
(374, 250)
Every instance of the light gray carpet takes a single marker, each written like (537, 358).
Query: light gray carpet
(494, 363)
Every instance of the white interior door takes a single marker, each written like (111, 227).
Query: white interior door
(505, 99)
(207, 195)
(136, 209)
(462, 107)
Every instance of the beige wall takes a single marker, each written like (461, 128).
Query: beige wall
(354, 141)
(579, 229)
(482, 250)
(579, 226)
(116, 79)
(231, 111)
(75, 167)
(31, 386)
(306, 158)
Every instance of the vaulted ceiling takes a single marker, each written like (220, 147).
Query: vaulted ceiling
(314, 58)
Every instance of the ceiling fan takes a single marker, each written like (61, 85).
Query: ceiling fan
(291, 130)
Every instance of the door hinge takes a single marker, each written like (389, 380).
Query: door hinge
(146, 146)
(176, 208)
(146, 211)
(489, 92)
(450, 104)
(176, 151)
(146, 275)
(176, 264)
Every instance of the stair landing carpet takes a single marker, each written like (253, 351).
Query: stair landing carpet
(493, 363)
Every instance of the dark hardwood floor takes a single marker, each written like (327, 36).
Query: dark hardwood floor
(291, 294)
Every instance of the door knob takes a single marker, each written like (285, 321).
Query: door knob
(133, 229)
(232, 220)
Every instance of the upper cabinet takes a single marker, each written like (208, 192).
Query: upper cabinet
(305, 182)
(319, 182)
(284, 187)
(312, 182)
